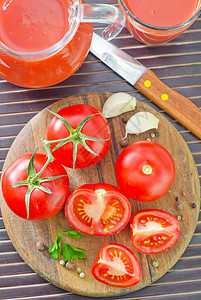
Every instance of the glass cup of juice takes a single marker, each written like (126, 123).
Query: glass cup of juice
(43, 42)
(156, 22)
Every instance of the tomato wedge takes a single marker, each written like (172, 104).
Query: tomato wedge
(116, 265)
(99, 209)
(154, 231)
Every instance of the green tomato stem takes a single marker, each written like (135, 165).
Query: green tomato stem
(76, 137)
(50, 158)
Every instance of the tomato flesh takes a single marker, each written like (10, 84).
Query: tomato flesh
(116, 265)
(145, 171)
(154, 231)
(99, 209)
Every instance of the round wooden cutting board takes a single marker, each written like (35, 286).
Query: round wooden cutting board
(25, 234)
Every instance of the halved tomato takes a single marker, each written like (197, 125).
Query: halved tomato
(117, 265)
(154, 231)
(99, 209)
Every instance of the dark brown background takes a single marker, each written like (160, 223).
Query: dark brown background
(178, 64)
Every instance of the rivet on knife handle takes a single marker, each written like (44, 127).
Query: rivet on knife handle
(176, 105)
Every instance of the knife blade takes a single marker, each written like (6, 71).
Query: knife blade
(146, 81)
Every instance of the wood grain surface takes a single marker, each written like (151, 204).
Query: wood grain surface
(25, 234)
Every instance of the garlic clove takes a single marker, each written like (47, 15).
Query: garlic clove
(141, 122)
(118, 104)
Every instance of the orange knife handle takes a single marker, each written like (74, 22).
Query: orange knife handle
(176, 105)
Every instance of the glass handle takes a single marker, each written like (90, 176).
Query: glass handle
(103, 13)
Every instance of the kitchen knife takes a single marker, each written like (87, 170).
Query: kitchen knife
(144, 80)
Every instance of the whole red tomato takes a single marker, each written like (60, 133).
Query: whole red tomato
(154, 231)
(99, 209)
(145, 171)
(84, 137)
(42, 205)
(116, 265)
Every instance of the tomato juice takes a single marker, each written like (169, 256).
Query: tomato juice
(30, 26)
(156, 21)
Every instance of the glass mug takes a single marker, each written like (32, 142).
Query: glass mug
(35, 53)
(156, 35)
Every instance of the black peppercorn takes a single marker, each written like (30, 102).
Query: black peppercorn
(123, 143)
(124, 120)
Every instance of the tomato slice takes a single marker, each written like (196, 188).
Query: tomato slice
(116, 265)
(99, 209)
(154, 231)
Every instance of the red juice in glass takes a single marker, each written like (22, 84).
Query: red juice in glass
(43, 42)
(31, 26)
(159, 21)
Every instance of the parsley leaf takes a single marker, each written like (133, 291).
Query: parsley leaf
(55, 249)
(69, 252)
(74, 234)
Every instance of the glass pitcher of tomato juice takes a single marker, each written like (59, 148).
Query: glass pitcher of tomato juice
(43, 42)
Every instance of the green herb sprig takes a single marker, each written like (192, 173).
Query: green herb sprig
(69, 252)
